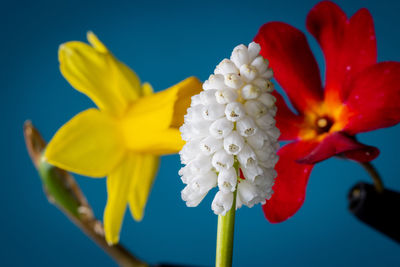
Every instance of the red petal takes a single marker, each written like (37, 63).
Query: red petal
(290, 185)
(340, 144)
(293, 64)
(287, 122)
(374, 101)
(349, 46)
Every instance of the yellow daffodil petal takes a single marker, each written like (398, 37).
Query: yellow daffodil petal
(95, 72)
(96, 43)
(146, 167)
(118, 186)
(147, 89)
(89, 144)
(163, 109)
(152, 122)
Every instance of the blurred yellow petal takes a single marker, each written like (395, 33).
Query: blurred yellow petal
(152, 122)
(95, 72)
(118, 186)
(89, 144)
(146, 167)
(96, 43)
(147, 89)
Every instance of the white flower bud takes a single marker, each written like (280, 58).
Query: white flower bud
(234, 111)
(194, 113)
(267, 99)
(260, 64)
(251, 172)
(248, 193)
(214, 82)
(188, 152)
(192, 198)
(210, 144)
(270, 162)
(225, 96)
(233, 81)
(204, 182)
(248, 72)
(200, 128)
(273, 111)
(250, 91)
(246, 126)
(261, 83)
(222, 160)
(274, 133)
(256, 141)
(200, 164)
(240, 55)
(268, 74)
(247, 157)
(222, 203)
(186, 132)
(233, 143)
(208, 97)
(213, 112)
(253, 50)
(220, 128)
(255, 108)
(226, 66)
(266, 121)
(186, 174)
(195, 100)
(227, 180)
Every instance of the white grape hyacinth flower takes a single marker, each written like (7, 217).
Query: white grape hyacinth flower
(229, 126)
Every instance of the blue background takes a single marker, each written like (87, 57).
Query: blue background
(164, 42)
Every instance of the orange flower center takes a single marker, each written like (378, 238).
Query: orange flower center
(321, 120)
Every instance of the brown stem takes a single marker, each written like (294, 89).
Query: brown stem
(374, 175)
(63, 191)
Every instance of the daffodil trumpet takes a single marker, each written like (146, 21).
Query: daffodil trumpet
(125, 135)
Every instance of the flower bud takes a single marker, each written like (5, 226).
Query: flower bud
(213, 112)
(255, 108)
(222, 160)
(234, 111)
(225, 96)
(210, 144)
(222, 203)
(227, 180)
(246, 126)
(233, 81)
(214, 82)
(248, 72)
(240, 55)
(233, 143)
(247, 157)
(225, 67)
(208, 97)
(221, 128)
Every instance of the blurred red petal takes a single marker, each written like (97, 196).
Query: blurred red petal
(336, 144)
(374, 101)
(293, 64)
(287, 122)
(290, 185)
(349, 46)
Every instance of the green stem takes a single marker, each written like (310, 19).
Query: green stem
(376, 178)
(225, 233)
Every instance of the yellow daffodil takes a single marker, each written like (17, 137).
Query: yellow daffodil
(125, 136)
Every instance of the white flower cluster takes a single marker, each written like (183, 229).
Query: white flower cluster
(231, 125)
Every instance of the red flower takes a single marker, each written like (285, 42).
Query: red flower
(360, 95)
